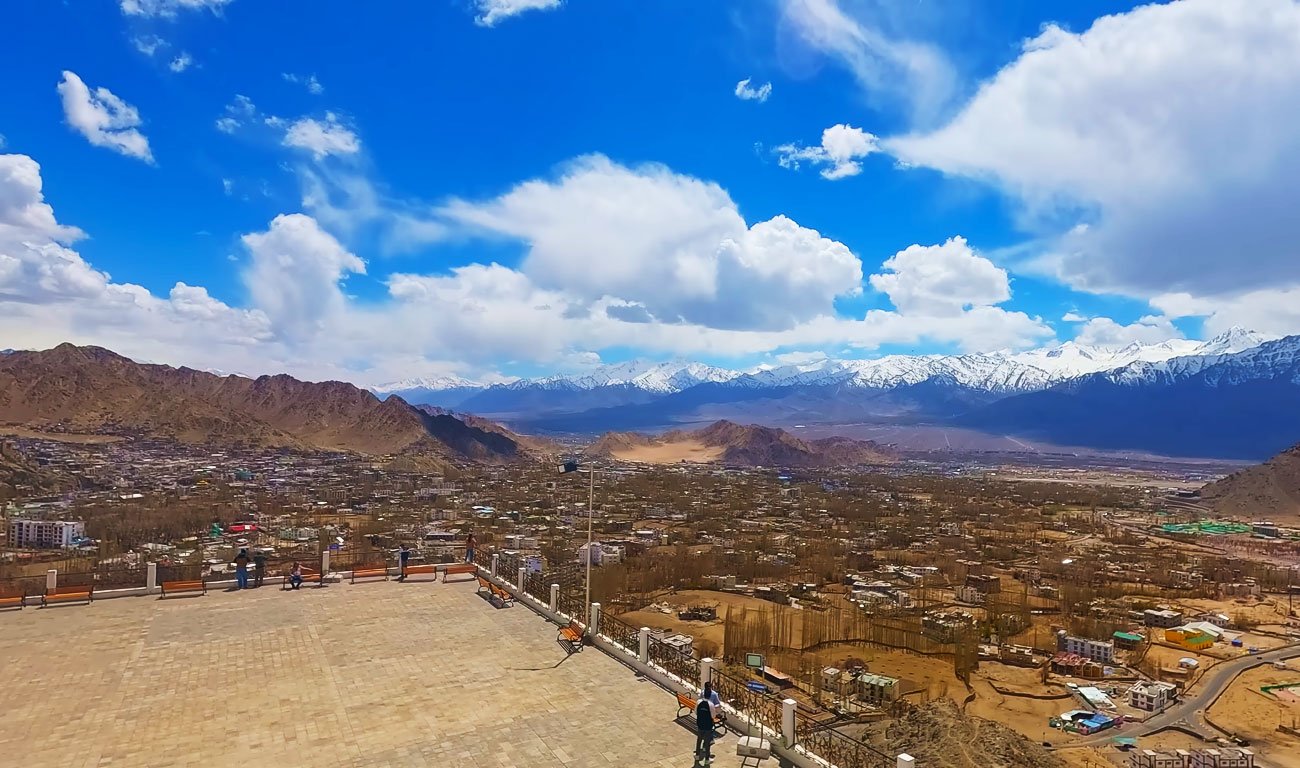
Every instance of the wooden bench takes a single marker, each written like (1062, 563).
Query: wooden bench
(12, 600)
(484, 585)
(502, 597)
(459, 568)
(423, 569)
(370, 571)
(571, 636)
(308, 574)
(686, 714)
(69, 594)
(172, 587)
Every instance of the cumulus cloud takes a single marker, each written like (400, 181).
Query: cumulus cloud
(181, 63)
(673, 243)
(148, 44)
(1105, 332)
(838, 155)
(1073, 316)
(322, 138)
(295, 273)
(169, 8)
(298, 315)
(50, 294)
(1157, 148)
(103, 118)
(941, 280)
(888, 65)
(745, 92)
(493, 12)
(1270, 311)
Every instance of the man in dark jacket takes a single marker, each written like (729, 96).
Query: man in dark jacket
(259, 567)
(704, 718)
(403, 558)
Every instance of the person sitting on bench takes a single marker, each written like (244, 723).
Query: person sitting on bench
(295, 575)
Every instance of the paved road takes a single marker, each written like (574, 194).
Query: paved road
(1188, 713)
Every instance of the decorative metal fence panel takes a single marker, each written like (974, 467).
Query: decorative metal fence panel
(683, 665)
(764, 708)
(181, 573)
(119, 576)
(834, 747)
(621, 632)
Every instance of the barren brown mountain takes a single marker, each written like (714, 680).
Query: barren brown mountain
(740, 445)
(533, 443)
(19, 475)
(1268, 491)
(93, 390)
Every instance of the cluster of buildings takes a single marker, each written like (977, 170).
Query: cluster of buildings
(1227, 757)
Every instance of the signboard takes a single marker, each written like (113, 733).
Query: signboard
(754, 661)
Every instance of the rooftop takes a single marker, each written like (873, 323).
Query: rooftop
(353, 676)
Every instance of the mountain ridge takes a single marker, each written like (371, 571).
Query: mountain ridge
(749, 445)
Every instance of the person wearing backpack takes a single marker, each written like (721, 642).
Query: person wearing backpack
(704, 723)
(241, 569)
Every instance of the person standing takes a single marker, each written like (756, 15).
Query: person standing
(704, 718)
(241, 569)
(403, 557)
(469, 547)
(259, 567)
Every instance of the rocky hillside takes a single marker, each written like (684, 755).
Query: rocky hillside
(1268, 491)
(938, 734)
(92, 390)
(744, 445)
(19, 475)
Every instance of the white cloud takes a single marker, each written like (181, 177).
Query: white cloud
(841, 148)
(309, 82)
(49, 294)
(181, 63)
(148, 44)
(300, 319)
(322, 138)
(887, 65)
(941, 280)
(1271, 311)
(227, 186)
(747, 93)
(103, 118)
(1105, 332)
(169, 8)
(295, 275)
(492, 12)
(1167, 131)
(672, 243)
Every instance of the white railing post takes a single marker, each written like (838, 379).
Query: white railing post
(522, 572)
(151, 578)
(643, 648)
(706, 672)
(905, 761)
(594, 629)
(555, 598)
(324, 565)
(494, 565)
(787, 721)
(51, 580)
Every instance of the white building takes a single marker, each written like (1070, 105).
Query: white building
(1151, 696)
(45, 534)
(970, 595)
(1094, 650)
(1165, 618)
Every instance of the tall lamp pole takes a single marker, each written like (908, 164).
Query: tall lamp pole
(591, 504)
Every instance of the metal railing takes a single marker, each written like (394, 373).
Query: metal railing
(685, 666)
(834, 747)
(762, 708)
(620, 632)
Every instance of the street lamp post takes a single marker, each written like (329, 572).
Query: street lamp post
(572, 466)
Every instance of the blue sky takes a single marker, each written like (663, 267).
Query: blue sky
(516, 187)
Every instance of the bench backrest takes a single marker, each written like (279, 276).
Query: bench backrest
(80, 589)
(685, 701)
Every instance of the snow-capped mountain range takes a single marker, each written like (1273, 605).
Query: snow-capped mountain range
(1000, 372)
(1231, 396)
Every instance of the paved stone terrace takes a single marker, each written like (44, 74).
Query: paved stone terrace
(355, 676)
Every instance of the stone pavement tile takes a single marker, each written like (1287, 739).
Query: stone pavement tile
(348, 676)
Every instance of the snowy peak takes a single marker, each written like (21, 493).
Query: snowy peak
(661, 378)
(433, 384)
